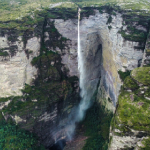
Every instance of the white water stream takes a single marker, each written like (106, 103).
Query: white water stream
(85, 91)
(83, 80)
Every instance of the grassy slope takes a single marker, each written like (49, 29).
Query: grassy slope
(24, 14)
(133, 107)
(17, 9)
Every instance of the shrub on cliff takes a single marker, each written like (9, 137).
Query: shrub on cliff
(123, 75)
(11, 137)
(129, 83)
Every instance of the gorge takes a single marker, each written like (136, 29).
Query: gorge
(57, 62)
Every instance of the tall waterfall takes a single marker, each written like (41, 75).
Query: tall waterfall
(85, 88)
(89, 58)
(83, 80)
(82, 105)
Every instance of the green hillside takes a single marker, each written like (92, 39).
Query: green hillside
(15, 10)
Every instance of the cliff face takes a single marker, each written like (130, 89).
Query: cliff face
(16, 68)
(117, 53)
(39, 88)
(39, 69)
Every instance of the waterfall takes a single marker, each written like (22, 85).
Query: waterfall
(83, 81)
(74, 117)
(89, 51)
(82, 105)
(86, 92)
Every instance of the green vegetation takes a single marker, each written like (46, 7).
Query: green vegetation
(134, 35)
(132, 19)
(109, 27)
(11, 137)
(86, 12)
(129, 83)
(109, 20)
(146, 143)
(97, 124)
(52, 85)
(26, 23)
(55, 38)
(123, 75)
(63, 13)
(31, 12)
(147, 93)
(109, 8)
(133, 107)
(141, 75)
(4, 54)
(132, 113)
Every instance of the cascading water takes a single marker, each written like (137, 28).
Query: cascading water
(84, 104)
(85, 93)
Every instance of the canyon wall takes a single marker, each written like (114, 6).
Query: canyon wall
(39, 70)
(39, 86)
(16, 68)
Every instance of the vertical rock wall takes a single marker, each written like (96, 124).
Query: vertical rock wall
(38, 91)
(117, 53)
(15, 65)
